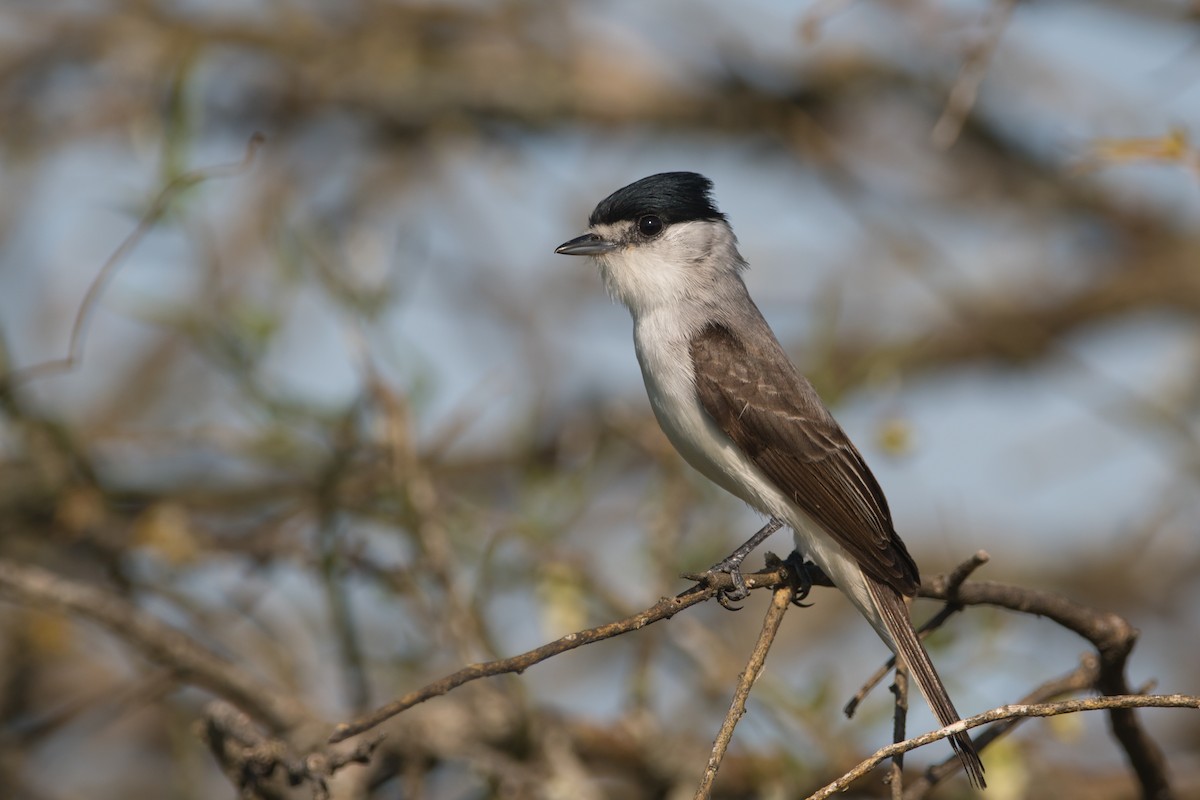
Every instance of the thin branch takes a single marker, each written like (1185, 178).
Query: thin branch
(266, 765)
(899, 723)
(965, 90)
(331, 570)
(147, 222)
(780, 600)
(663, 609)
(187, 659)
(1079, 679)
(1006, 713)
(1113, 638)
(190, 661)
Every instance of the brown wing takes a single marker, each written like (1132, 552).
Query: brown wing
(775, 416)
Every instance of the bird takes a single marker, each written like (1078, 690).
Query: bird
(736, 409)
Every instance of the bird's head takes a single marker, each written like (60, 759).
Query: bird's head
(661, 240)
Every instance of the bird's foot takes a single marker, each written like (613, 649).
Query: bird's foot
(805, 575)
(731, 566)
(712, 576)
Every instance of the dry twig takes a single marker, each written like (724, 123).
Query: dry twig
(1079, 679)
(186, 658)
(1125, 702)
(159, 207)
(665, 608)
(780, 600)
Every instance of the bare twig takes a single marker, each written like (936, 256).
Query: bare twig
(1113, 638)
(1004, 713)
(149, 219)
(663, 609)
(232, 724)
(329, 535)
(966, 87)
(899, 722)
(1079, 679)
(780, 600)
(265, 765)
(183, 656)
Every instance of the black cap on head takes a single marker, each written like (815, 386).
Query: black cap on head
(672, 196)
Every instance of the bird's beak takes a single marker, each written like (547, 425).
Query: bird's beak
(587, 245)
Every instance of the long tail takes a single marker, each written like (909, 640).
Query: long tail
(894, 613)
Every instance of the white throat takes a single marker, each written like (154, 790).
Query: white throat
(692, 264)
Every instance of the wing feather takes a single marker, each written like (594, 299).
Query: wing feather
(776, 418)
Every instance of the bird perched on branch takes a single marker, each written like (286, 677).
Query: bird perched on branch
(736, 409)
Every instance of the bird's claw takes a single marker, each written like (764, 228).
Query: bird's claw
(726, 597)
(805, 575)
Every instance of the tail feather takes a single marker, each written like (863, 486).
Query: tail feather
(895, 618)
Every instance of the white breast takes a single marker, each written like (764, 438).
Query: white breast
(661, 342)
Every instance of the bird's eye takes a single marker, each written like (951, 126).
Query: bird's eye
(650, 225)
